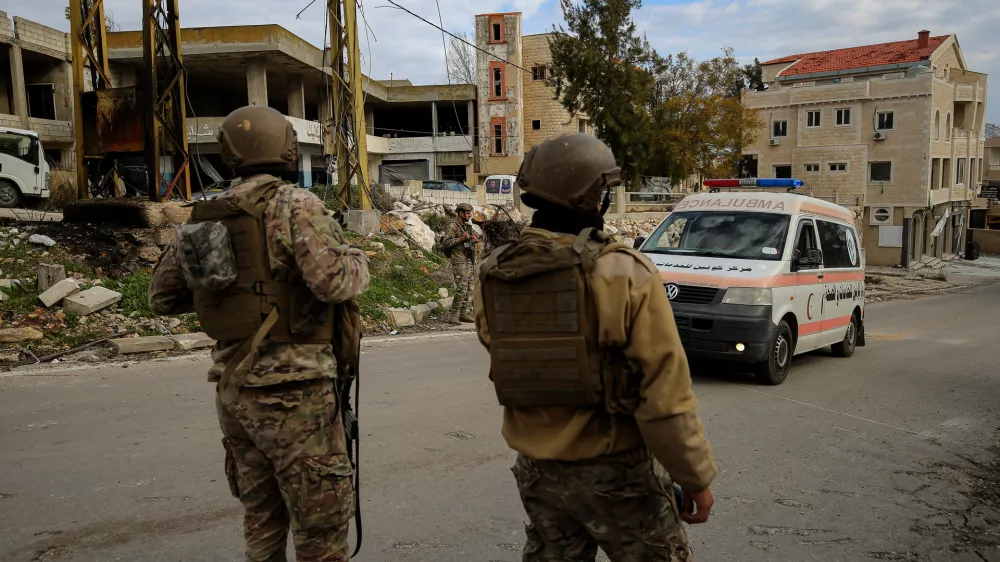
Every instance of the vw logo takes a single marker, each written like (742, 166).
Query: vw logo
(672, 291)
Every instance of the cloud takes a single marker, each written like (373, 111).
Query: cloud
(772, 28)
(408, 48)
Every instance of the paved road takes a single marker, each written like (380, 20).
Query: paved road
(884, 456)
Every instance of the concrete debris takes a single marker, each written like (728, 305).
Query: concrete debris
(188, 342)
(146, 344)
(9, 357)
(91, 300)
(420, 312)
(3, 296)
(415, 228)
(48, 275)
(443, 292)
(59, 291)
(9, 283)
(446, 303)
(400, 317)
(173, 323)
(165, 236)
(16, 335)
(42, 240)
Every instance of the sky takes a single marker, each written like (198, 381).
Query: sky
(405, 47)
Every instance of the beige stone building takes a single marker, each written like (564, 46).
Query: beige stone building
(893, 130)
(516, 96)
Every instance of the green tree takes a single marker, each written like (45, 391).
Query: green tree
(603, 68)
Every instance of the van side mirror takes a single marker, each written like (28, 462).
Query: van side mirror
(638, 242)
(813, 257)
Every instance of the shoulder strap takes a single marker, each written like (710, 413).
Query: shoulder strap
(491, 261)
(590, 245)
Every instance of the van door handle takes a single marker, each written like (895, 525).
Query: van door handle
(819, 276)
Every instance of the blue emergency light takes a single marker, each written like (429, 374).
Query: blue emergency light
(788, 183)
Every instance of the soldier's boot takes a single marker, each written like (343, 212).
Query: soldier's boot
(466, 318)
(451, 318)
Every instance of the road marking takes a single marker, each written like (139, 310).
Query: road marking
(890, 426)
(887, 336)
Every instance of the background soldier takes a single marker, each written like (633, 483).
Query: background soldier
(608, 403)
(286, 456)
(459, 244)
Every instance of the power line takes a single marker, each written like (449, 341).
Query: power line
(443, 30)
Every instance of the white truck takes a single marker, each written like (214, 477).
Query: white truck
(23, 169)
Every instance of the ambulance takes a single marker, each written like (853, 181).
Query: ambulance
(758, 276)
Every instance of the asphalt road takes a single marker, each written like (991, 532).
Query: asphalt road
(888, 455)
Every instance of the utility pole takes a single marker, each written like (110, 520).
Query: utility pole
(88, 43)
(348, 128)
(165, 99)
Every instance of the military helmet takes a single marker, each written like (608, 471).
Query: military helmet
(254, 135)
(463, 207)
(570, 170)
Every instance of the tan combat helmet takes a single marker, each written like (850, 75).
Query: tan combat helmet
(570, 170)
(256, 135)
(463, 207)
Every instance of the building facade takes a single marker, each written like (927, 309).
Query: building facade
(516, 96)
(893, 131)
(36, 85)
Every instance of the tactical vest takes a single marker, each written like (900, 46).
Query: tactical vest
(255, 305)
(542, 328)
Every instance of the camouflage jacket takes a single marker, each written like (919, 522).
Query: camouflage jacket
(305, 244)
(451, 239)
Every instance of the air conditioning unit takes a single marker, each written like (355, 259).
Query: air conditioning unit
(880, 135)
(881, 216)
(775, 142)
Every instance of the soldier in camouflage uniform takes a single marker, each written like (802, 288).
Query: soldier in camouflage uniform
(286, 455)
(459, 244)
(587, 362)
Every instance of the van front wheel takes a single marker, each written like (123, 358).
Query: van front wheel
(775, 369)
(9, 195)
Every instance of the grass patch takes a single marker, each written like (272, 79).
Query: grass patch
(21, 299)
(398, 279)
(135, 292)
(437, 221)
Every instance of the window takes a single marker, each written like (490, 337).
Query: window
(21, 147)
(806, 241)
(738, 235)
(582, 126)
(812, 118)
(884, 121)
(497, 80)
(840, 249)
(812, 167)
(497, 136)
(937, 125)
(536, 125)
(960, 171)
(783, 172)
(838, 167)
(496, 29)
(779, 129)
(41, 100)
(947, 127)
(880, 171)
(538, 73)
(843, 117)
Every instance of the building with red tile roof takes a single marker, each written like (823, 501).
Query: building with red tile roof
(895, 127)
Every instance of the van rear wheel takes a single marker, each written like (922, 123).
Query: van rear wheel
(846, 348)
(10, 196)
(775, 369)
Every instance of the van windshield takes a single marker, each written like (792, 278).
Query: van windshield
(747, 236)
(21, 147)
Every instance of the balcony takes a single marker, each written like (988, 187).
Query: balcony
(206, 130)
(965, 92)
(51, 131)
(409, 145)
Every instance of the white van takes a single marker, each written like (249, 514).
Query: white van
(23, 169)
(759, 277)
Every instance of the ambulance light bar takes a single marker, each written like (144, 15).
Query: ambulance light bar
(753, 182)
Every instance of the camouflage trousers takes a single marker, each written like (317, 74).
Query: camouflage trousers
(623, 504)
(464, 284)
(286, 460)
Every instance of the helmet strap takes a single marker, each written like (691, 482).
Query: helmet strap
(606, 204)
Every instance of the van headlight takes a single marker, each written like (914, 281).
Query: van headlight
(747, 295)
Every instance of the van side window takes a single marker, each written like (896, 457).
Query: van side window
(806, 241)
(840, 248)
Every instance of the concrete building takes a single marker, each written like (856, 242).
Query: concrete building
(36, 85)
(412, 130)
(516, 97)
(893, 130)
(989, 218)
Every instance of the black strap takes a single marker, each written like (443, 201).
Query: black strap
(357, 452)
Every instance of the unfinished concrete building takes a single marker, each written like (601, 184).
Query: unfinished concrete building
(36, 88)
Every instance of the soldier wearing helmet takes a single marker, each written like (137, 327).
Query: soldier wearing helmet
(269, 273)
(587, 362)
(458, 243)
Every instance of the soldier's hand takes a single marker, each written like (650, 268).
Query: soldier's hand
(465, 236)
(475, 238)
(697, 506)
